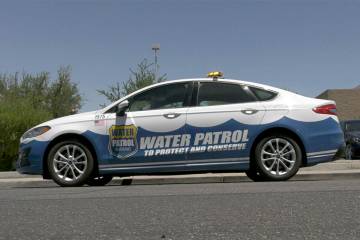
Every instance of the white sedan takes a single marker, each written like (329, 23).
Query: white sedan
(189, 125)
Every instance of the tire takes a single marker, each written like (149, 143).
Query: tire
(99, 180)
(254, 175)
(348, 152)
(70, 163)
(277, 157)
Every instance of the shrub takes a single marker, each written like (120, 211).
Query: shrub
(16, 116)
(29, 99)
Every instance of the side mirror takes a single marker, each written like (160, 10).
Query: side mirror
(121, 108)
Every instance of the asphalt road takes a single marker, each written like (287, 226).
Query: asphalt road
(246, 210)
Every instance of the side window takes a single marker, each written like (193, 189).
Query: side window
(216, 93)
(167, 96)
(262, 95)
(112, 110)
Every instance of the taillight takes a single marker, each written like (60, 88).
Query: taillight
(326, 109)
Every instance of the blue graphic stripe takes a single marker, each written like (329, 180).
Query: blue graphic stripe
(324, 155)
(175, 165)
(328, 153)
(187, 162)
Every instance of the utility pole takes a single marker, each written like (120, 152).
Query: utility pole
(156, 48)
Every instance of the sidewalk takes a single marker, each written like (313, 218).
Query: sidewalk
(344, 169)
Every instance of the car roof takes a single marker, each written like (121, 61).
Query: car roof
(218, 80)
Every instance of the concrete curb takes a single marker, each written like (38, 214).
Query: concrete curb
(232, 178)
(206, 178)
(341, 169)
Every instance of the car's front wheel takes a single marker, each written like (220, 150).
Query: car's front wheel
(278, 157)
(70, 163)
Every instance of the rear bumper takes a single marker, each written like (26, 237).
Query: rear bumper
(324, 156)
(323, 141)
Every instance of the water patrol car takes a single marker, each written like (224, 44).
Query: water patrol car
(190, 125)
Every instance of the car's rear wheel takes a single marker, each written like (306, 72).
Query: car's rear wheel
(277, 157)
(99, 180)
(348, 152)
(70, 163)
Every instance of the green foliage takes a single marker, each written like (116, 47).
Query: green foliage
(64, 97)
(29, 99)
(59, 97)
(32, 87)
(16, 116)
(141, 77)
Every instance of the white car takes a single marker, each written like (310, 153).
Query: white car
(189, 125)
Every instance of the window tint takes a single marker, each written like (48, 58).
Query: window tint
(215, 93)
(353, 126)
(261, 94)
(167, 96)
(113, 109)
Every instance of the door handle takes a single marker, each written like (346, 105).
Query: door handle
(171, 115)
(249, 111)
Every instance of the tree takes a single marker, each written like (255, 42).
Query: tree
(60, 97)
(64, 97)
(29, 99)
(16, 116)
(35, 87)
(141, 77)
(32, 88)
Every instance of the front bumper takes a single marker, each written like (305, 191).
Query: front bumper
(31, 155)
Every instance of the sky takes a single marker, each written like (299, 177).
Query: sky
(304, 46)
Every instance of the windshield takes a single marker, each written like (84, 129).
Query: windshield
(353, 126)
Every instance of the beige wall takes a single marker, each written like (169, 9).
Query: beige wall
(347, 102)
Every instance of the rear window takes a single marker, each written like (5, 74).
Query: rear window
(262, 95)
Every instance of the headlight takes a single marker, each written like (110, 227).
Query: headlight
(356, 139)
(36, 132)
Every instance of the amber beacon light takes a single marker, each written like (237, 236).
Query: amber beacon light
(215, 75)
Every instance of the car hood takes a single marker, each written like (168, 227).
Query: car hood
(80, 117)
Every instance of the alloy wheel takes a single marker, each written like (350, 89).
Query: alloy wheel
(278, 156)
(70, 162)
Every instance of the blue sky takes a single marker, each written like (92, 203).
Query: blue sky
(304, 46)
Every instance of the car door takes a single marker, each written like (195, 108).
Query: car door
(151, 128)
(222, 123)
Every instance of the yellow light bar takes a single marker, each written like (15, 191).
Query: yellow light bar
(216, 74)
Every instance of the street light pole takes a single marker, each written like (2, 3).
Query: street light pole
(156, 48)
